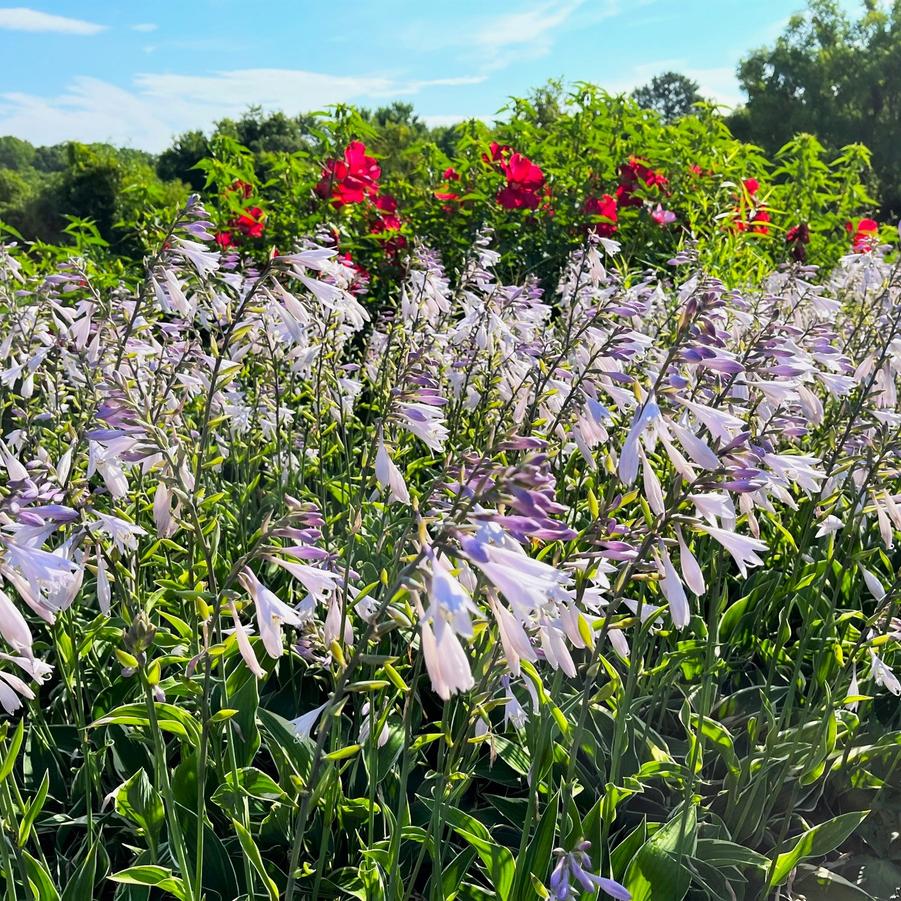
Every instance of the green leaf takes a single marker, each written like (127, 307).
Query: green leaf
(33, 809)
(498, 860)
(15, 745)
(150, 874)
(137, 800)
(169, 718)
(537, 857)
(657, 873)
(81, 885)
(252, 852)
(41, 884)
(816, 842)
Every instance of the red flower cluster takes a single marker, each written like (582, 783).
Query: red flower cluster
(525, 186)
(606, 207)
(797, 238)
(249, 223)
(757, 218)
(351, 179)
(634, 173)
(446, 194)
(388, 222)
(863, 236)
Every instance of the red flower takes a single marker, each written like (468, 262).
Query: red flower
(606, 207)
(451, 174)
(752, 186)
(499, 152)
(224, 239)
(863, 237)
(351, 179)
(525, 181)
(446, 195)
(241, 187)
(761, 216)
(797, 237)
(632, 174)
(250, 222)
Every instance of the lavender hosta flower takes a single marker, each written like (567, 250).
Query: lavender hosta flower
(163, 513)
(424, 421)
(570, 877)
(12, 690)
(628, 460)
(272, 612)
(389, 476)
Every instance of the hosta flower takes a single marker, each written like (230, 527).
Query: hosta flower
(571, 877)
(124, 534)
(244, 646)
(272, 612)
(742, 548)
(673, 591)
(883, 675)
(389, 476)
(13, 627)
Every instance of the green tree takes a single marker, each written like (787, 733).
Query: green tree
(835, 77)
(670, 94)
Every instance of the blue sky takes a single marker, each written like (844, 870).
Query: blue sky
(136, 74)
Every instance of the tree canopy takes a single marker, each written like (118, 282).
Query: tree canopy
(833, 76)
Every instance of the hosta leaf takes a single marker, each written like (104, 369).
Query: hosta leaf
(816, 842)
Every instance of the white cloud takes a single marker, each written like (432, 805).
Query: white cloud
(495, 41)
(21, 18)
(162, 105)
(145, 26)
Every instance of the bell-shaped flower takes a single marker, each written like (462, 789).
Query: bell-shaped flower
(272, 612)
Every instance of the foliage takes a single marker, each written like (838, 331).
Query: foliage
(591, 589)
(834, 77)
(598, 163)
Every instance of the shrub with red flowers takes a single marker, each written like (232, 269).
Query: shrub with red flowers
(600, 167)
(249, 222)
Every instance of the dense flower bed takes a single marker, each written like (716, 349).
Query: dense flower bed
(497, 589)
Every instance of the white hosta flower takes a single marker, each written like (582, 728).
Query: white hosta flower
(882, 674)
(244, 646)
(304, 724)
(389, 476)
(123, 533)
(742, 548)
(691, 570)
(673, 591)
(12, 690)
(873, 584)
(13, 626)
(272, 612)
